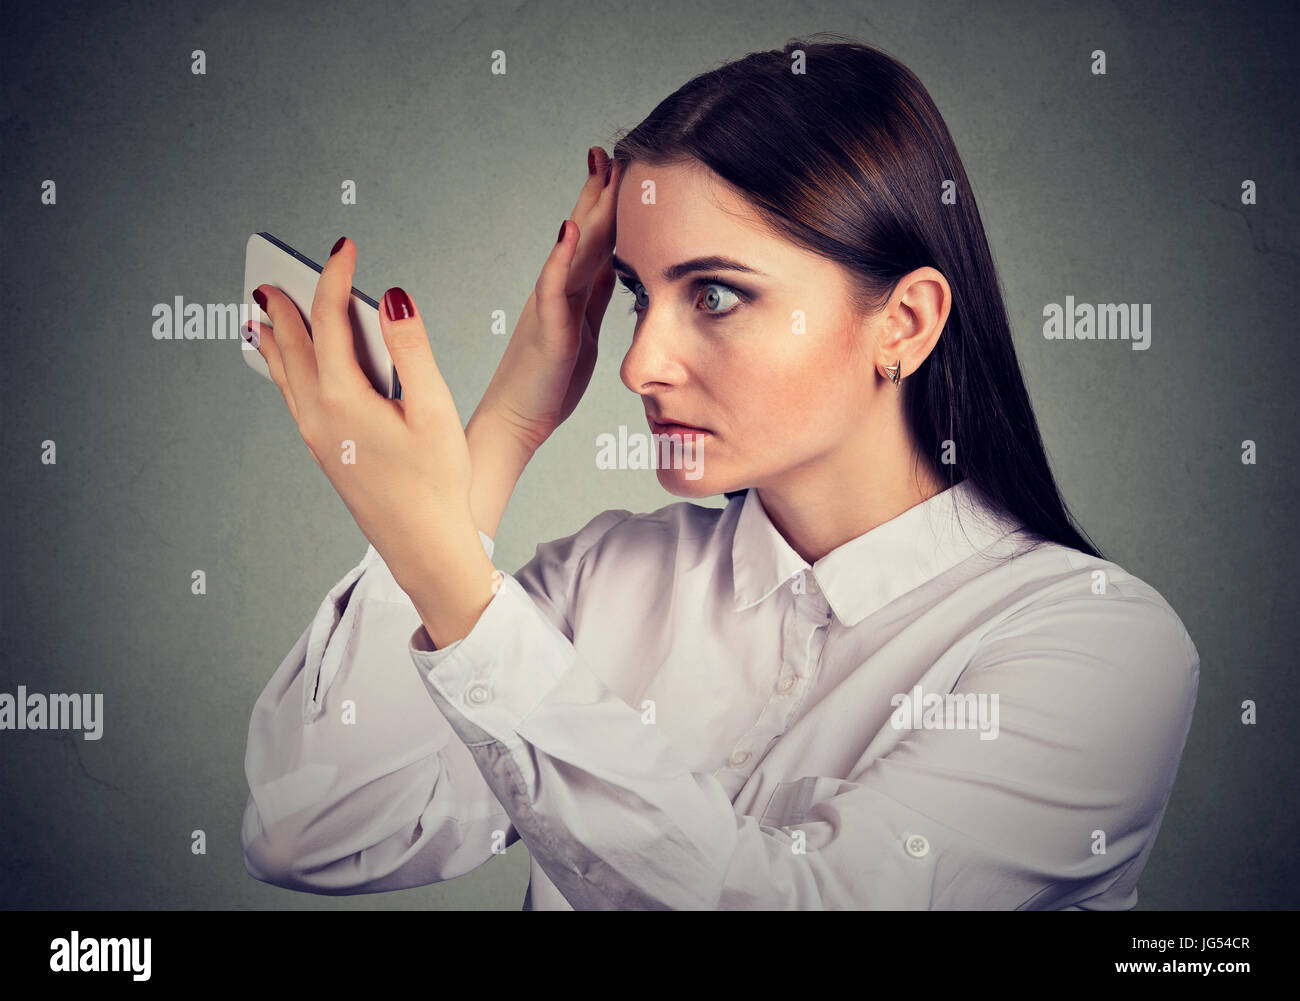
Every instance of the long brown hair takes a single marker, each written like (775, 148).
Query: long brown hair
(851, 159)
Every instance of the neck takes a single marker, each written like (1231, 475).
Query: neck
(838, 496)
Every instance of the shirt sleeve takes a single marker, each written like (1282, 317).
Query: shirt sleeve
(357, 784)
(1095, 697)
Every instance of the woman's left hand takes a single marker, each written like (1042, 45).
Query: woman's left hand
(402, 467)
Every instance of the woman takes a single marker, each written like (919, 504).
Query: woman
(888, 674)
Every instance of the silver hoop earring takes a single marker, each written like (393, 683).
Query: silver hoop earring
(895, 372)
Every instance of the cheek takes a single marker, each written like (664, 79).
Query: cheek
(807, 393)
(781, 396)
(788, 391)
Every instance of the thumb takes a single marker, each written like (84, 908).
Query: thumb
(557, 309)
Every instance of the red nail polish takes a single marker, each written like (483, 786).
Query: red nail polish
(259, 297)
(338, 246)
(562, 227)
(591, 160)
(398, 304)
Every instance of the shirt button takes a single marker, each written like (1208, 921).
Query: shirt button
(477, 694)
(917, 846)
(738, 758)
(785, 684)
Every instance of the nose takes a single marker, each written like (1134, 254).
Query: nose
(653, 360)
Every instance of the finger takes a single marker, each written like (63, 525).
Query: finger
(425, 396)
(331, 326)
(595, 184)
(588, 349)
(601, 289)
(296, 350)
(263, 340)
(559, 307)
(598, 231)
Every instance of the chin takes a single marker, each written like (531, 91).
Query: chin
(677, 483)
(683, 471)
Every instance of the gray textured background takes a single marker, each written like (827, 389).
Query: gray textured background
(172, 456)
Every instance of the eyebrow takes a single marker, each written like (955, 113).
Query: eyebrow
(714, 262)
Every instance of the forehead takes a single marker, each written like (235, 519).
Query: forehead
(694, 213)
(680, 206)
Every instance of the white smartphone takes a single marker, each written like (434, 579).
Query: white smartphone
(269, 261)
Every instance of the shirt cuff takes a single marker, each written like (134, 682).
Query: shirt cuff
(488, 681)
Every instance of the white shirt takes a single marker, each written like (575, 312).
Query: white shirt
(673, 710)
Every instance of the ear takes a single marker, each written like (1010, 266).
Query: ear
(912, 321)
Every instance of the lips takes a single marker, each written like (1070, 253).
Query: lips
(674, 427)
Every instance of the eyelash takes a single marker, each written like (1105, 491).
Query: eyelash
(700, 283)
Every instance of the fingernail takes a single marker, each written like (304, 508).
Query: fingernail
(609, 172)
(259, 297)
(338, 246)
(591, 160)
(398, 304)
(562, 226)
(251, 334)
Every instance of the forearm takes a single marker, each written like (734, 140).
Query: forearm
(498, 458)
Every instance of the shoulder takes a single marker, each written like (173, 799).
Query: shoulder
(665, 529)
(1111, 626)
(1073, 581)
(616, 542)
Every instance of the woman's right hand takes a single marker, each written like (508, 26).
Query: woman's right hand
(548, 362)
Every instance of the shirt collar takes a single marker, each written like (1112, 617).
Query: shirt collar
(866, 573)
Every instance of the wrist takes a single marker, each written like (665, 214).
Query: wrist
(498, 456)
(499, 438)
(452, 586)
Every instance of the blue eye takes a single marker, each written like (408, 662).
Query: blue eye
(709, 290)
(714, 298)
(630, 286)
